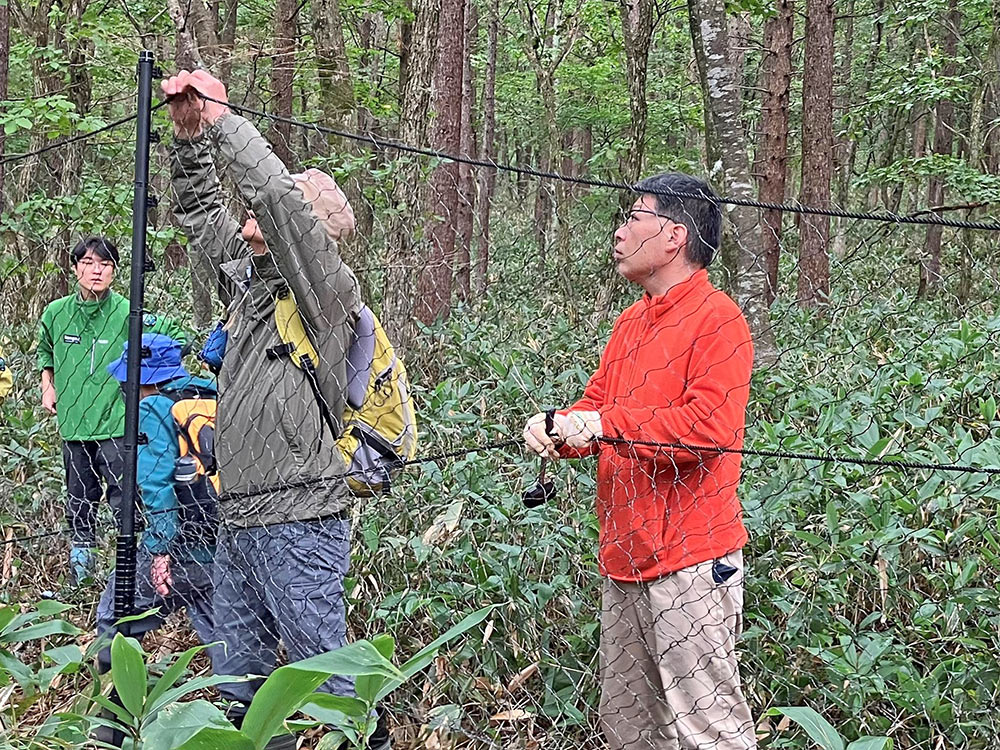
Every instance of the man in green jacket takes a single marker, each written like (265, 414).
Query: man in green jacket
(284, 545)
(78, 337)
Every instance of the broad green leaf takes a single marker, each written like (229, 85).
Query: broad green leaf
(334, 709)
(51, 608)
(116, 710)
(6, 615)
(42, 630)
(19, 621)
(128, 672)
(819, 729)
(21, 672)
(286, 687)
(63, 655)
(334, 740)
(426, 655)
(188, 686)
(871, 743)
(138, 616)
(197, 725)
(172, 674)
(366, 687)
(213, 738)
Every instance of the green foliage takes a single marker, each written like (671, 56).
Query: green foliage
(823, 734)
(164, 724)
(37, 648)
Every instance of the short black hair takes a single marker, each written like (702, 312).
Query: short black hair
(102, 247)
(701, 215)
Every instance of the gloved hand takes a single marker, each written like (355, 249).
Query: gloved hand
(82, 562)
(586, 427)
(541, 442)
(159, 574)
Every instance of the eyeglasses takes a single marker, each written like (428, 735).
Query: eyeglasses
(90, 263)
(631, 215)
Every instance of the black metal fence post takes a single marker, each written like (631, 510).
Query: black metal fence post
(125, 551)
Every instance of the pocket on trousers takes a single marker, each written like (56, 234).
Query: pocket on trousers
(722, 571)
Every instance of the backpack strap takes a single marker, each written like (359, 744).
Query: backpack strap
(305, 363)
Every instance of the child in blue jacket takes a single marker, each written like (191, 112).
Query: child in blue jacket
(174, 562)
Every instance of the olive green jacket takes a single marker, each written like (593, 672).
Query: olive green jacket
(269, 429)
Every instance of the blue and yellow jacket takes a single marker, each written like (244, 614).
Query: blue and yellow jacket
(180, 519)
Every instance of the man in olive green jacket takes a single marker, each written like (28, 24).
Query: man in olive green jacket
(284, 547)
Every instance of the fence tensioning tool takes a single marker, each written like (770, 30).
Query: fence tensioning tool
(543, 491)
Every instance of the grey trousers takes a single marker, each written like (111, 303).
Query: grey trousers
(670, 677)
(280, 582)
(192, 590)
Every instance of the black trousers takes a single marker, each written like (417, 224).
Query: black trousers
(94, 469)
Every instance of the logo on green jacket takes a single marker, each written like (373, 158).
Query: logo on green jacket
(149, 320)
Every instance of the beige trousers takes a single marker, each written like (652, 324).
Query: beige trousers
(669, 675)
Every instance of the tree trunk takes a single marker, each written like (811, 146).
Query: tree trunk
(544, 189)
(551, 39)
(336, 89)
(713, 157)
(282, 74)
(36, 27)
(197, 42)
(817, 154)
(843, 146)
(466, 186)
(487, 177)
(188, 57)
(227, 40)
(772, 155)
(407, 243)
(637, 33)
(944, 115)
(975, 156)
(722, 100)
(435, 282)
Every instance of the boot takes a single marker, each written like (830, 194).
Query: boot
(380, 739)
(82, 563)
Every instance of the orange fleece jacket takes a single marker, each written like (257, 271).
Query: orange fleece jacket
(676, 370)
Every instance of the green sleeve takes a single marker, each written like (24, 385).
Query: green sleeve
(210, 230)
(44, 352)
(326, 290)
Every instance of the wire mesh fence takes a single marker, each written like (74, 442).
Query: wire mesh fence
(864, 473)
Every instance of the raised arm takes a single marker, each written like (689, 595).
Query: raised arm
(326, 290)
(209, 227)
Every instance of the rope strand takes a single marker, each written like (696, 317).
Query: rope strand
(925, 217)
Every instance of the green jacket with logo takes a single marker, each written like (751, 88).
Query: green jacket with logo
(77, 340)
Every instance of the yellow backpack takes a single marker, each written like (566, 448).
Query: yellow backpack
(194, 412)
(380, 429)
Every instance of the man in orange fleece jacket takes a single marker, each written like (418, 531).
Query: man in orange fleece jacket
(671, 389)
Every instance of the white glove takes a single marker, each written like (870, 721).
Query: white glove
(540, 442)
(584, 427)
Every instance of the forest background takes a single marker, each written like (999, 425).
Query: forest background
(873, 593)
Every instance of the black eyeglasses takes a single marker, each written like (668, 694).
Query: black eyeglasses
(631, 214)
